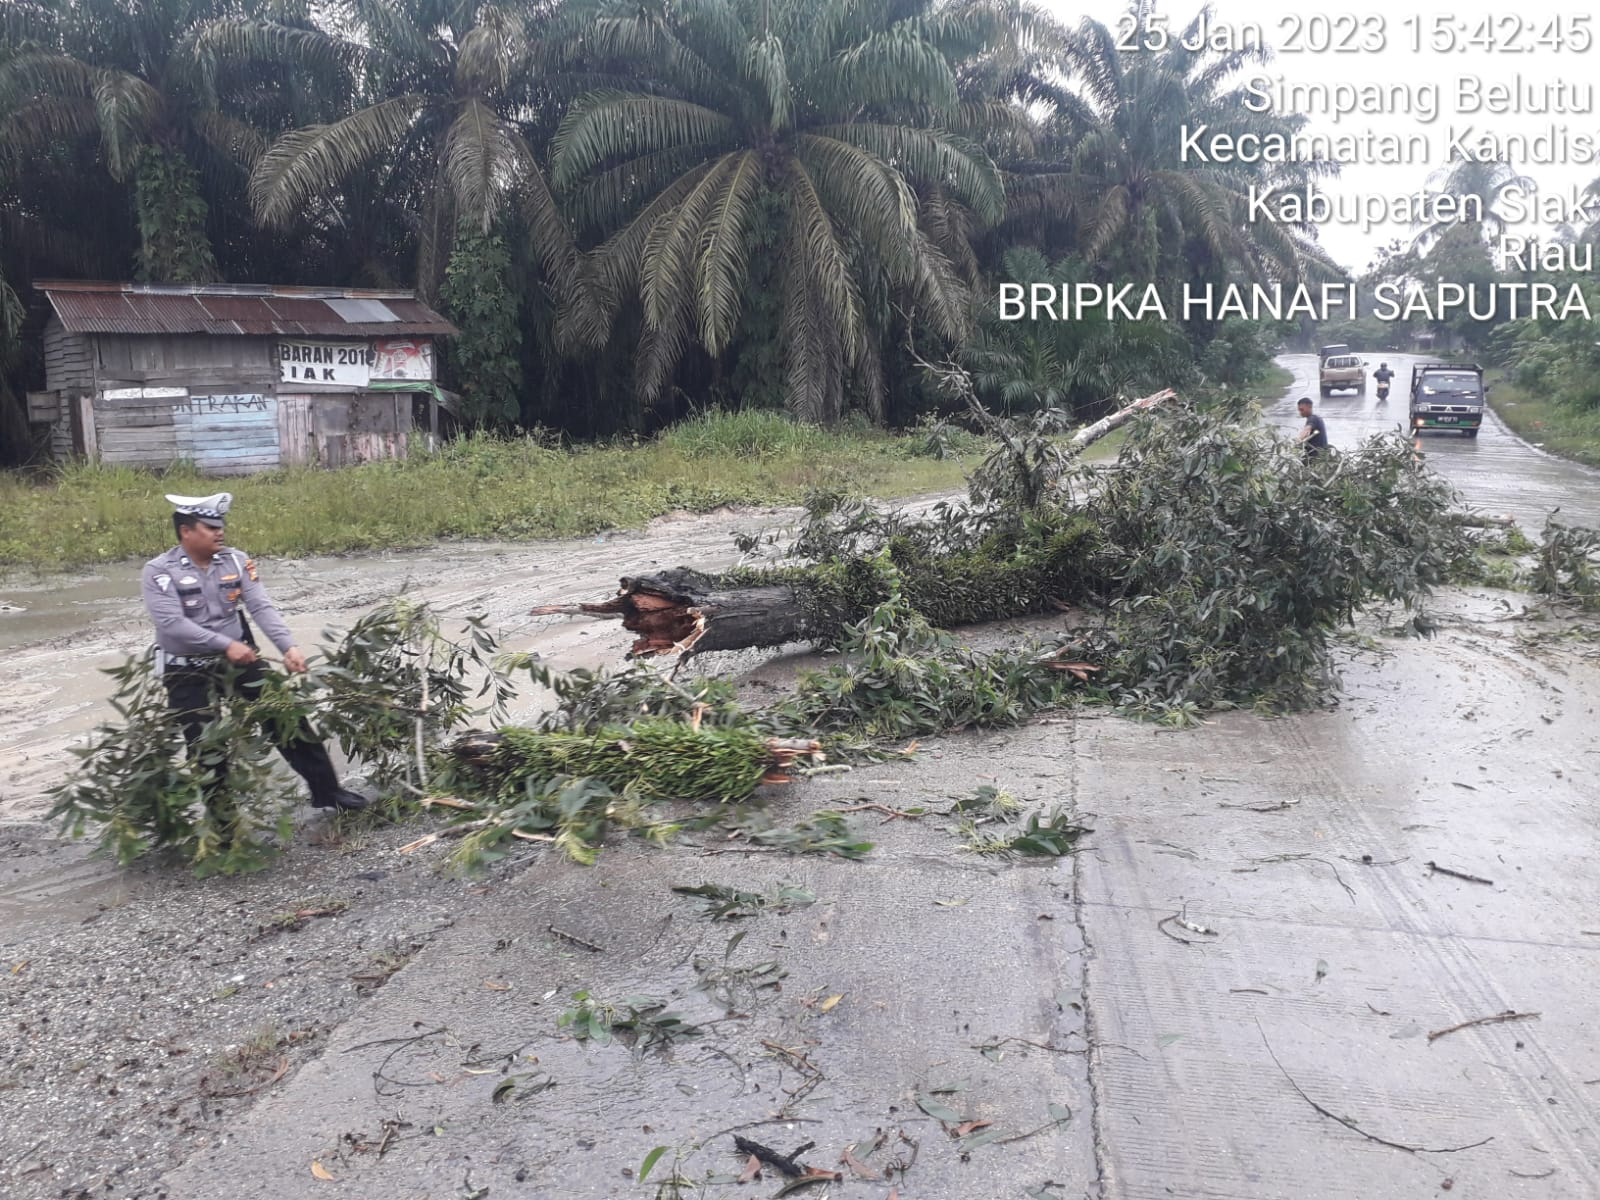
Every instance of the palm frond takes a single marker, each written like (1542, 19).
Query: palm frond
(233, 139)
(606, 197)
(892, 67)
(764, 62)
(493, 50)
(605, 126)
(930, 157)
(667, 276)
(480, 160)
(723, 257)
(812, 247)
(619, 261)
(310, 162)
(126, 107)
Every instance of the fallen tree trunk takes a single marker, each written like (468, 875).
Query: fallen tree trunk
(685, 613)
(682, 611)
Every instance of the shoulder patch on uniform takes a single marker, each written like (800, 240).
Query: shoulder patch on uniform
(163, 582)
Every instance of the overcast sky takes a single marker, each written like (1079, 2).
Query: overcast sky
(1350, 245)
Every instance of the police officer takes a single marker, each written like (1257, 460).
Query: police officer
(193, 593)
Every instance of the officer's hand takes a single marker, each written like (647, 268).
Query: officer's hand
(241, 654)
(294, 660)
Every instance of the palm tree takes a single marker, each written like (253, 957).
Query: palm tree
(809, 124)
(1478, 187)
(1079, 366)
(440, 87)
(166, 117)
(1109, 160)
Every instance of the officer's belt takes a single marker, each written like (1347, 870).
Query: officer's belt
(192, 660)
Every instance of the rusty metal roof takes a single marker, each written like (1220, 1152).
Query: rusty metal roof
(237, 309)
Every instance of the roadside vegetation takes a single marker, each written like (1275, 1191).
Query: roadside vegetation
(481, 486)
(1548, 422)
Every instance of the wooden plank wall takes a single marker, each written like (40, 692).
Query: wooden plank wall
(222, 434)
(68, 359)
(196, 361)
(138, 430)
(232, 434)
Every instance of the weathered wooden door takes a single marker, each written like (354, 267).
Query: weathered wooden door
(296, 444)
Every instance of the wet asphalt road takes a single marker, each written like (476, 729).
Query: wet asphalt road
(1495, 472)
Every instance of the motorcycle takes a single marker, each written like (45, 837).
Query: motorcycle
(1383, 389)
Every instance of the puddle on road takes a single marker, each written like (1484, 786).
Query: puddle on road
(35, 610)
(44, 888)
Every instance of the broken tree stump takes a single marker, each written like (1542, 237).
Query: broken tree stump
(685, 612)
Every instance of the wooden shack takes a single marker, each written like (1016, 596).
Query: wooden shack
(237, 378)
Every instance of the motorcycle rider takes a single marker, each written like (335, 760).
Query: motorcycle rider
(1383, 375)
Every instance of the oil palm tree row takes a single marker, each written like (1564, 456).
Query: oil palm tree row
(691, 184)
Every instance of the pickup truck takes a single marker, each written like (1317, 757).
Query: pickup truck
(1343, 371)
(1447, 395)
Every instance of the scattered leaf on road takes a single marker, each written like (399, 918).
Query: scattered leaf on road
(752, 1169)
(860, 1168)
(967, 1127)
(650, 1161)
(830, 1003)
(318, 1171)
(939, 1112)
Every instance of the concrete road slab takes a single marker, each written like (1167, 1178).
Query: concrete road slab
(932, 954)
(1303, 844)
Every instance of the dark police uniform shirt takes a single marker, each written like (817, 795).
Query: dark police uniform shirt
(196, 610)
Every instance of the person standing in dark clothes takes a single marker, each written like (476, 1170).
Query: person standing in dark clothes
(193, 593)
(1314, 434)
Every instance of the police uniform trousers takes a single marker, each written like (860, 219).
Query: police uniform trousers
(193, 695)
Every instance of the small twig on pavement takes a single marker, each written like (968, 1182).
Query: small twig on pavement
(1017, 1137)
(1433, 866)
(783, 1162)
(1351, 1125)
(575, 939)
(1510, 1014)
(890, 814)
(1277, 858)
(998, 1042)
(793, 1056)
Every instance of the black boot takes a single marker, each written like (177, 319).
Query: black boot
(342, 799)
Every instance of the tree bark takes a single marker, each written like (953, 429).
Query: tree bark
(682, 612)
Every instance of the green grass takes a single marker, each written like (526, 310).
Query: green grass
(477, 487)
(1274, 381)
(1547, 424)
